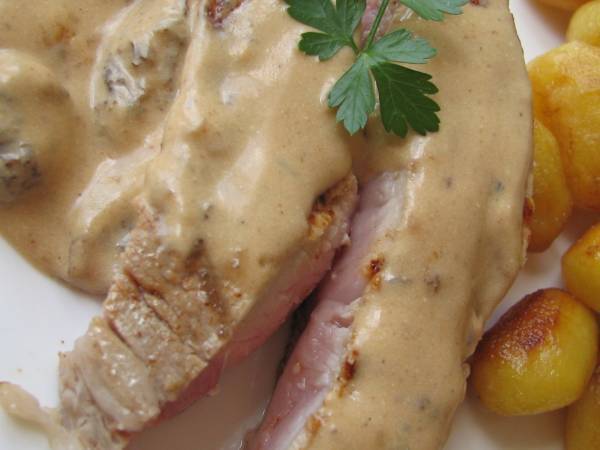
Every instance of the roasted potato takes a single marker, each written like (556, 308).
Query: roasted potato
(582, 431)
(567, 5)
(538, 357)
(551, 196)
(566, 93)
(581, 268)
(585, 24)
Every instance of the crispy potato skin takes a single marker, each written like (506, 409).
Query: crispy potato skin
(538, 357)
(567, 5)
(551, 196)
(585, 24)
(581, 268)
(582, 431)
(566, 94)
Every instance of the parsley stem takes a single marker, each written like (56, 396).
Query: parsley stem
(382, 7)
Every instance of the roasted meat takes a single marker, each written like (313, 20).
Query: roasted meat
(195, 290)
(241, 203)
(434, 247)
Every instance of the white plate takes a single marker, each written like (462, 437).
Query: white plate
(40, 317)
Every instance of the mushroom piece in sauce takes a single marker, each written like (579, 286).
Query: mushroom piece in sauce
(34, 110)
(18, 170)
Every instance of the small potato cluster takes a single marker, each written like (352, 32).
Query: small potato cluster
(585, 24)
(551, 195)
(581, 268)
(543, 354)
(566, 90)
(583, 419)
(538, 357)
(566, 96)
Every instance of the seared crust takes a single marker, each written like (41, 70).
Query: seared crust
(180, 290)
(172, 364)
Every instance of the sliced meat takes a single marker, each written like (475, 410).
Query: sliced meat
(318, 358)
(172, 364)
(80, 415)
(329, 226)
(382, 362)
(166, 336)
(235, 228)
(119, 382)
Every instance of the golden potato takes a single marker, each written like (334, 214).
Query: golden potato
(551, 196)
(582, 431)
(585, 24)
(567, 5)
(566, 94)
(538, 357)
(581, 268)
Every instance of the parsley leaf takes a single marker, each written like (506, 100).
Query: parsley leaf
(337, 24)
(354, 95)
(320, 44)
(400, 46)
(435, 9)
(403, 93)
(403, 99)
(350, 12)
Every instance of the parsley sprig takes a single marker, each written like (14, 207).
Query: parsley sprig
(403, 92)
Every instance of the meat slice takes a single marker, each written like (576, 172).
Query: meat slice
(318, 358)
(382, 362)
(172, 364)
(240, 215)
(166, 336)
(119, 382)
(80, 415)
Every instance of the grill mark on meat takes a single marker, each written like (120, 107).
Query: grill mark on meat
(179, 290)
(173, 365)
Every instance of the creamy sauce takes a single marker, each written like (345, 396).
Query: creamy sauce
(61, 37)
(240, 176)
(457, 249)
(214, 130)
(216, 139)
